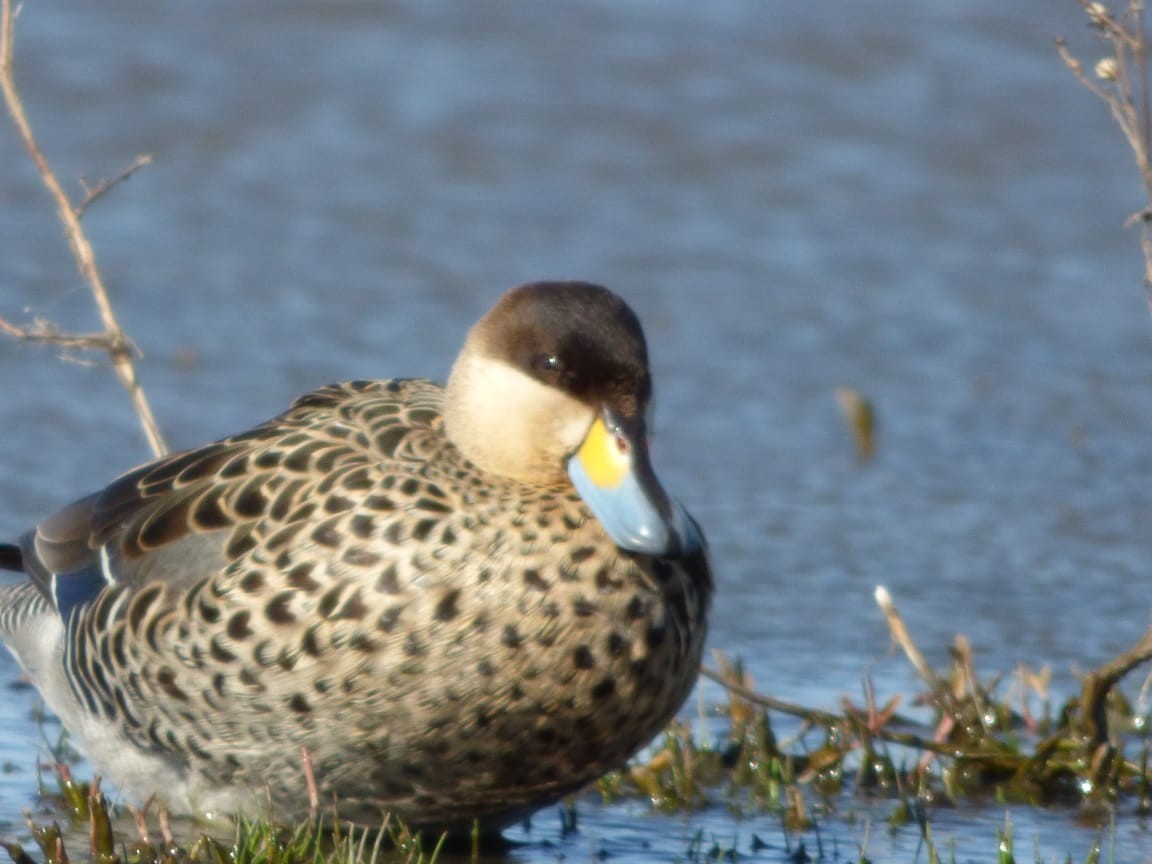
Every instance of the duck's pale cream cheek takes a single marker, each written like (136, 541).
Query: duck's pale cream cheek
(572, 424)
(510, 423)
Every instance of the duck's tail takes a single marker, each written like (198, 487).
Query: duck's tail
(11, 558)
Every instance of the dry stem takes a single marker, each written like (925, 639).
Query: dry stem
(165, 827)
(1097, 684)
(92, 193)
(816, 716)
(310, 778)
(901, 637)
(1123, 86)
(112, 341)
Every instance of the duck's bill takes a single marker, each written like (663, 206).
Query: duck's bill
(614, 476)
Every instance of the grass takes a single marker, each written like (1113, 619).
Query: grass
(254, 842)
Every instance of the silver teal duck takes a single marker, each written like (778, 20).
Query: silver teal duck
(463, 602)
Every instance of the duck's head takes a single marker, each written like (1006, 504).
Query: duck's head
(553, 386)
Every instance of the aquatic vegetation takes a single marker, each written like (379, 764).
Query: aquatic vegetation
(111, 840)
(984, 742)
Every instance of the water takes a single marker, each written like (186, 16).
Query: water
(912, 199)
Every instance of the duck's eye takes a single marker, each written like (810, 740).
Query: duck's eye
(547, 364)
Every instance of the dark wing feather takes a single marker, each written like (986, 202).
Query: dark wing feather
(11, 558)
(102, 539)
(174, 520)
(59, 544)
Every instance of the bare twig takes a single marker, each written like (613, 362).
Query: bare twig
(816, 716)
(48, 333)
(1099, 682)
(1122, 84)
(901, 637)
(113, 342)
(810, 714)
(91, 194)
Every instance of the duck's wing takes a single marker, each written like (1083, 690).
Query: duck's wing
(182, 518)
(161, 520)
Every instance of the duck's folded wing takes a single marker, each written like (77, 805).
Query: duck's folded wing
(163, 521)
(181, 519)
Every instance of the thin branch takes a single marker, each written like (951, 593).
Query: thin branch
(900, 636)
(12, 330)
(1098, 683)
(1139, 49)
(823, 718)
(811, 714)
(47, 332)
(118, 347)
(1125, 90)
(91, 194)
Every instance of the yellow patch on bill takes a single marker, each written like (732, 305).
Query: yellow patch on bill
(603, 462)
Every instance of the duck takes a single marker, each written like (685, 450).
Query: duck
(452, 604)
